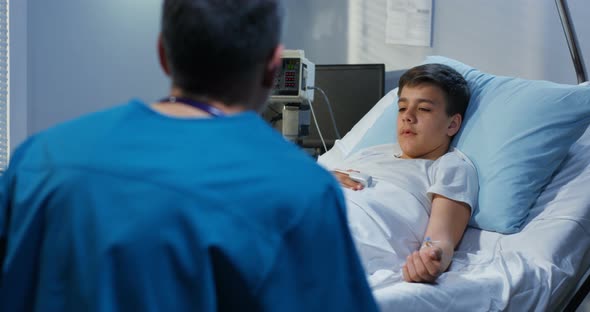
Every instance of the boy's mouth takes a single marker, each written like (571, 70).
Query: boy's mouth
(407, 132)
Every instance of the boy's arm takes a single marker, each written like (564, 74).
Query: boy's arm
(448, 221)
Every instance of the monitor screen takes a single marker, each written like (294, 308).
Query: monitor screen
(353, 89)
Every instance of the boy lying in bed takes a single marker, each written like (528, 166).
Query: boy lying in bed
(412, 216)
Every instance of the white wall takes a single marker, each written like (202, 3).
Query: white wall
(320, 27)
(89, 55)
(507, 37)
(71, 57)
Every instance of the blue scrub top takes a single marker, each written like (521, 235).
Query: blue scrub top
(131, 210)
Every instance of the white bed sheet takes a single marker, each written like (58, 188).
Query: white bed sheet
(536, 269)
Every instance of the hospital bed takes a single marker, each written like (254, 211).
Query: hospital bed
(542, 264)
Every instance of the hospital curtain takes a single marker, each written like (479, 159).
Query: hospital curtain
(4, 108)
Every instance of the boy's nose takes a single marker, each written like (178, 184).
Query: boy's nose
(408, 117)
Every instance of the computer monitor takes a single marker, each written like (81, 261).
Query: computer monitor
(353, 89)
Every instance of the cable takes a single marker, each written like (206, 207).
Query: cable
(272, 109)
(329, 109)
(316, 125)
(276, 118)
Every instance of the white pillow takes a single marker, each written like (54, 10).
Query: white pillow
(368, 131)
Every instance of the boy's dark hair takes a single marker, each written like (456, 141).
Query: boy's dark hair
(215, 48)
(446, 78)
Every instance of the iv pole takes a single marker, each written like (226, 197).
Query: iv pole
(572, 40)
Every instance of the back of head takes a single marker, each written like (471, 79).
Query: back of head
(216, 48)
(449, 80)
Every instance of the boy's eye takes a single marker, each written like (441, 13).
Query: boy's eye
(401, 109)
(424, 109)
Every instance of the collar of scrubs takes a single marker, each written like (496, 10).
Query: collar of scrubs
(215, 112)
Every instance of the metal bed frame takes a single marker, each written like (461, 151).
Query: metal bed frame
(583, 287)
(572, 40)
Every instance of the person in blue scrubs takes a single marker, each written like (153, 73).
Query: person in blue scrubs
(190, 203)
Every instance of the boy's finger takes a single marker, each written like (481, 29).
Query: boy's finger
(435, 253)
(432, 265)
(347, 182)
(420, 268)
(406, 274)
(352, 184)
(411, 270)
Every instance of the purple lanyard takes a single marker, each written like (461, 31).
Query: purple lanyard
(202, 106)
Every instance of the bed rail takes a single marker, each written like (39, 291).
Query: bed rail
(572, 43)
(572, 40)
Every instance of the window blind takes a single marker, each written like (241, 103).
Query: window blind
(4, 103)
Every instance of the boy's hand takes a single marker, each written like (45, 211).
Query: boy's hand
(447, 223)
(346, 181)
(424, 265)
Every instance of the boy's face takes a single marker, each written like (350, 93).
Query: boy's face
(423, 128)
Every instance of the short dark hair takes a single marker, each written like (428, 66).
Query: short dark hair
(449, 80)
(214, 47)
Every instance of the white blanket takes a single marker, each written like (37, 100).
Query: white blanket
(384, 236)
(536, 269)
(388, 219)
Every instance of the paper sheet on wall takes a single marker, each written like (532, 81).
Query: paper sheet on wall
(409, 22)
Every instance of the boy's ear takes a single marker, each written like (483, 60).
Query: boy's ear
(454, 125)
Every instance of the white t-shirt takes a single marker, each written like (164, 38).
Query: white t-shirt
(388, 219)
